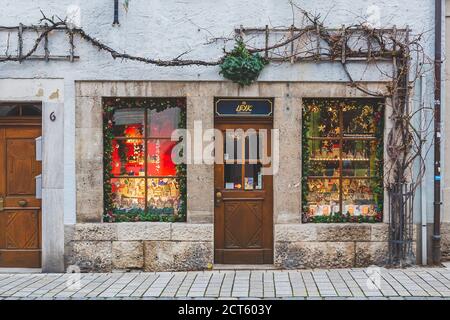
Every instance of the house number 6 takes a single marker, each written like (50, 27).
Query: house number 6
(52, 116)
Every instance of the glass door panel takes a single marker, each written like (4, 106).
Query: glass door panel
(253, 178)
(233, 176)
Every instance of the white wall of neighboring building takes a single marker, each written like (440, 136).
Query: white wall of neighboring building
(165, 29)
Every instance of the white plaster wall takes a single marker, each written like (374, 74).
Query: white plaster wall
(164, 29)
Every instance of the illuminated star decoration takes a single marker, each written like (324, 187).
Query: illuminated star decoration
(315, 109)
(321, 128)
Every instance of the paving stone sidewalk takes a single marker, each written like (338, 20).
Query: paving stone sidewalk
(369, 283)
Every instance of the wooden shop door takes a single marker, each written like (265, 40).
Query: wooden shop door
(243, 215)
(20, 211)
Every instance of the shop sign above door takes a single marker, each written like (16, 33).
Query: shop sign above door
(243, 107)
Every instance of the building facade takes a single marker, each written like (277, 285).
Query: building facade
(302, 187)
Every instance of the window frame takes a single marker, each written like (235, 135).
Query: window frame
(20, 106)
(111, 105)
(342, 138)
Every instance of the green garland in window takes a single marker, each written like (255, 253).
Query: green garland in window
(377, 184)
(181, 172)
(107, 162)
(378, 181)
(343, 218)
(306, 117)
(112, 214)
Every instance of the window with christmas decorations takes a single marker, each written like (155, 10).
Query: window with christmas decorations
(342, 160)
(142, 182)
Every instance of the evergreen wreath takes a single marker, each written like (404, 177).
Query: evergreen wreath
(242, 67)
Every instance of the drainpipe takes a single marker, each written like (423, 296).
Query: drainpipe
(116, 13)
(436, 239)
(423, 199)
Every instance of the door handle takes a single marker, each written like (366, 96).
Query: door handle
(2, 204)
(23, 203)
(218, 198)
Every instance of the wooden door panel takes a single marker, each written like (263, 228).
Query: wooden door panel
(21, 229)
(21, 167)
(20, 259)
(32, 203)
(22, 132)
(243, 256)
(243, 224)
(20, 217)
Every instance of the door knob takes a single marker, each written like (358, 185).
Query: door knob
(22, 203)
(218, 198)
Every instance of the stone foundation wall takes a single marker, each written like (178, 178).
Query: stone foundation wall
(147, 246)
(154, 246)
(330, 245)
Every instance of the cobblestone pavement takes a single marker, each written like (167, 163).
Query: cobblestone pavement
(370, 283)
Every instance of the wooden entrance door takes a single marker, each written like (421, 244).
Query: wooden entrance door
(20, 211)
(243, 223)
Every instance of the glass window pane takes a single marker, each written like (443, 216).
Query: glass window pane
(9, 111)
(358, 120)
(128, 193)
(324, 157)
(359, 149)
(162, 123)
(324, 149)
(323, 121)
(324, 168)
(252, 146)
(359, 158)
(358, 198)
(128, 123)
(253, 178)
(128, 157)
(355, 168)
(163, 196)
(233, 176)
(31, 110)
(232, 150)
(159, 157)
(323, 197)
